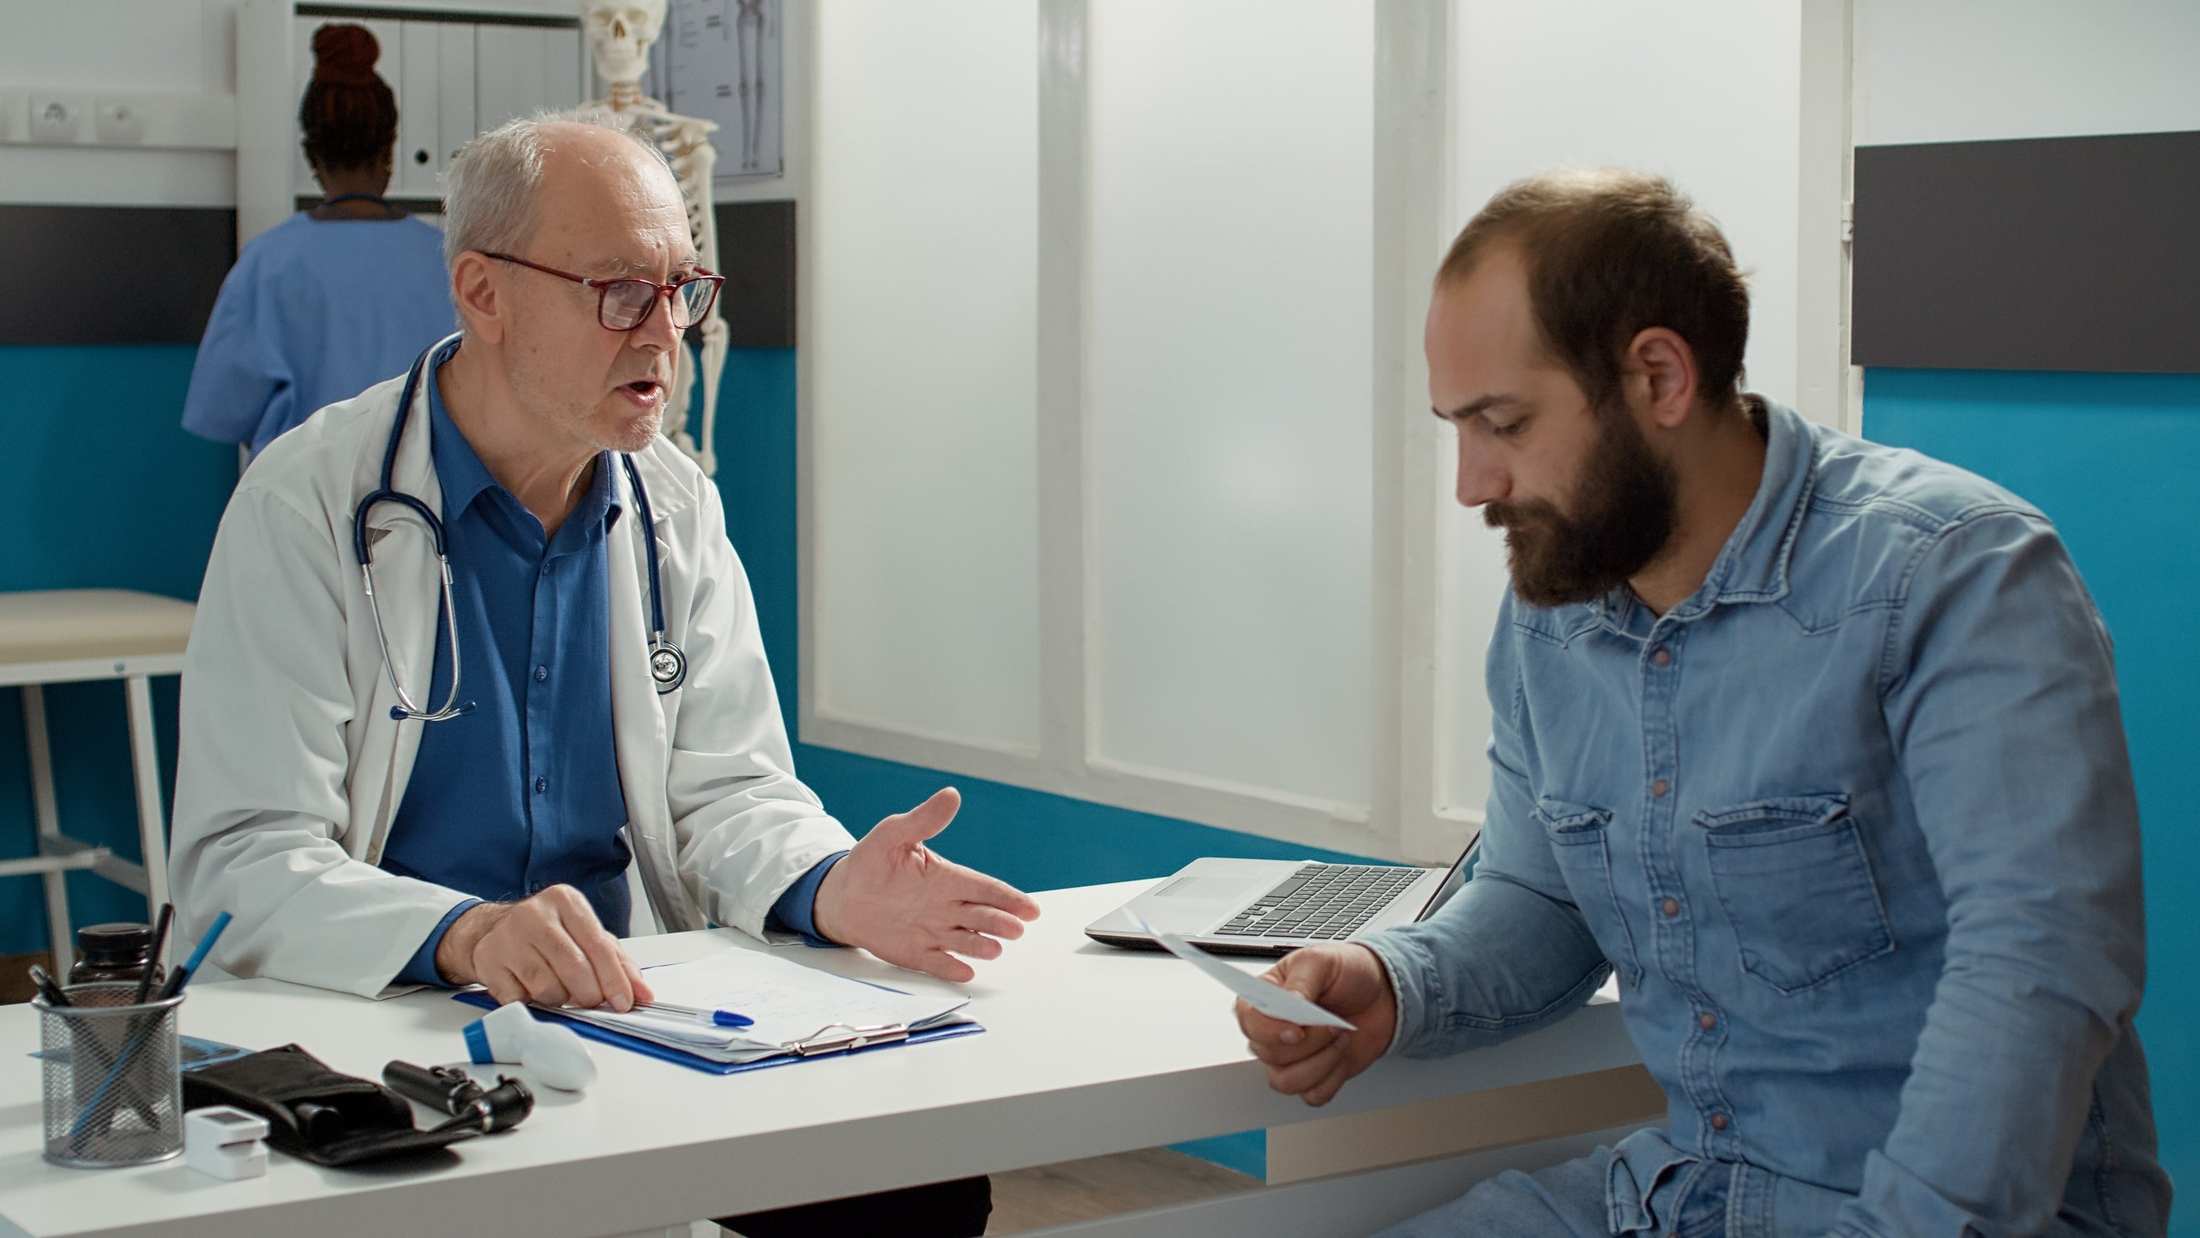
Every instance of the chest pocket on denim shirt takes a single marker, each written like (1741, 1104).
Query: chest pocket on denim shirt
(1579, 844)
(1797, 887)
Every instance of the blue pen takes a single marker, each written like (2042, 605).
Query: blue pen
(176, 980)
(716, 1018)
(182, 975)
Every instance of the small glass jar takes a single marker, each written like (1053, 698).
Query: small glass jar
(113, 952)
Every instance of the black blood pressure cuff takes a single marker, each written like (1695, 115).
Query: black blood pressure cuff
(314, 1112)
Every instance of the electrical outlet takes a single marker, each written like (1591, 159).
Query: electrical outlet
(119, 121)
(56, 118)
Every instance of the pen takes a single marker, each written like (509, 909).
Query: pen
(716, 1018)
(47, 989)
(182, 975)
(152, 960)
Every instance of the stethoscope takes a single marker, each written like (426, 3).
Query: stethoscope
(667, 664)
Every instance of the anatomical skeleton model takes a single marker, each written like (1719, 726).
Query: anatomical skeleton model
(619, 34)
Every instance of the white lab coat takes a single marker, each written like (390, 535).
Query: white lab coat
(291, 769)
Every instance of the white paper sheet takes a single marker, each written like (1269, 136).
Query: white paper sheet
(1265, 996)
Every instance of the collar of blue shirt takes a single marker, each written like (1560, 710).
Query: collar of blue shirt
(464, 478)
(1753, 566)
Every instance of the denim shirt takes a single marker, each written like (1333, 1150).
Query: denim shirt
(1855, 825)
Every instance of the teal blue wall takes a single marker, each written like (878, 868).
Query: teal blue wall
(103, 490)
(2114, 461)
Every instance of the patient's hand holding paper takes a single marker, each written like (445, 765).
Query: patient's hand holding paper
(1270, 999)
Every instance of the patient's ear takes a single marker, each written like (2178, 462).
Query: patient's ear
(1666, 365)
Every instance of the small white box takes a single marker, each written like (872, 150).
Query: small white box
(223, 1141)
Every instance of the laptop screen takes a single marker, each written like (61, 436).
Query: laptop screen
(1461, 869)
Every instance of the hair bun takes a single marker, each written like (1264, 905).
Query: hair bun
(345, 55)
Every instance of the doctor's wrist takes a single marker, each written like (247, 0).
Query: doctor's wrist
(825, 906)
(454, 955)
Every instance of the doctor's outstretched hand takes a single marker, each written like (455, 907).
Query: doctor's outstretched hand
(905, 903)
(1311, 1063)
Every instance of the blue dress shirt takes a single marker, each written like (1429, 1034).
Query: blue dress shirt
(1855, 825)
(523, 793)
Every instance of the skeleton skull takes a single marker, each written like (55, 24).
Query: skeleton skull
(619, 34)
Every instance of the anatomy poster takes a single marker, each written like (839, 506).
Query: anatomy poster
(720, 60)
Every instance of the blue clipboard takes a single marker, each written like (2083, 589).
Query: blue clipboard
(711, 1066)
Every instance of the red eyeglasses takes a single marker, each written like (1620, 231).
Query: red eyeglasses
(625, 304)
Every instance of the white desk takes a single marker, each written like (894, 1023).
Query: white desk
(1088, 1051)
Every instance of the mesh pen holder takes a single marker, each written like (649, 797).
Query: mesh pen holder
(113, 1078)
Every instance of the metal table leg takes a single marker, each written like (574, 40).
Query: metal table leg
(49, 827)
(145, 766)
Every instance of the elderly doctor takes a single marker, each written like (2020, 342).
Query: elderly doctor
(488, 772)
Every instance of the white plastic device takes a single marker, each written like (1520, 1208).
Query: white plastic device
(552, 1055)
(223, 1141)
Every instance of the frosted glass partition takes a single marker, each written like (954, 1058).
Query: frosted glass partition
(1706, 95)
(1473, 577)
(924, 241)
(1229, 371)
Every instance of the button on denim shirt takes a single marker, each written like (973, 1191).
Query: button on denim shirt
(1855, 825)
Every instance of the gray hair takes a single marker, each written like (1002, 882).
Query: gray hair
(490, 194)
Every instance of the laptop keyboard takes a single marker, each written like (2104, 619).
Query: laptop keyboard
(1321, 902)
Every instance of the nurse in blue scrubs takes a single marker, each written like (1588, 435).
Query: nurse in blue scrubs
(333, 300)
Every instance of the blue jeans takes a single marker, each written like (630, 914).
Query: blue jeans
(1574, 1199)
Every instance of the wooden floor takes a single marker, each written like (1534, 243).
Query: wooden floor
(1105, 1186)
(15, 975)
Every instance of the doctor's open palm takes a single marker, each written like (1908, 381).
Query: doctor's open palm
(914, 908)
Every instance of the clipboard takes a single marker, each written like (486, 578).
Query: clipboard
(837, 1040)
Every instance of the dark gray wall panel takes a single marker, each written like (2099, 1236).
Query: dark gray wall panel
(756, 250)
(2040, 254)
(112, 274)
(149, 275)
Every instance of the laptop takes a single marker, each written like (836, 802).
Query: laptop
(1272, 907)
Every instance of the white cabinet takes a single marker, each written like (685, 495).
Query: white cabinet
(419, 85)
(455, 83)
(523, 69)
(561, 67)
(452, 80)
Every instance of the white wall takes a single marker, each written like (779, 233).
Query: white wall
(1979, 70)
(171, 46)
(138, 46)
